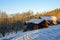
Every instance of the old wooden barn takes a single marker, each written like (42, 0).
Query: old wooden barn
(36, 24)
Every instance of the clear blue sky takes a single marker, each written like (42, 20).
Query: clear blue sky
(14, 6)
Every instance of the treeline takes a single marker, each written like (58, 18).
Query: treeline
(55, 12)
(16, 21)
(24, 16)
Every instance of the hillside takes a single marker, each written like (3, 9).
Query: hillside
(55, 12)
(51, 33)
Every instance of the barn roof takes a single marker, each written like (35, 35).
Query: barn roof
(48, 17)
(36, 21)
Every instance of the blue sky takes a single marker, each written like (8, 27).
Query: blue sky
(14, 6)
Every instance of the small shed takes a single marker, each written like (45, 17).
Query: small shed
(51, 19)
(36, 24)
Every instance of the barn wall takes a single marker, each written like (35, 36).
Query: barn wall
(35, 26)
(44, 24)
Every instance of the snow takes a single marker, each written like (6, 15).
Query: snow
(48, 18)
(11, 35)
(37, 21)
(51, 33)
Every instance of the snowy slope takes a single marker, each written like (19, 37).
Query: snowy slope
(10, 36)
(52, 33)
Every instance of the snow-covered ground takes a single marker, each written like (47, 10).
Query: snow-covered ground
(51, 33)
(11, 35)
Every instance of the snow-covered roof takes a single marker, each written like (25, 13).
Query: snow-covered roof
(48, 17)
(36, 21)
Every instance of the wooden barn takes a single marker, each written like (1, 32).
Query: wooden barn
(51, 19)
(36, 24)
